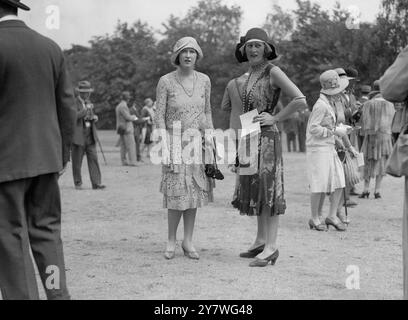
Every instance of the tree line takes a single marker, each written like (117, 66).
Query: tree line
(309, 40)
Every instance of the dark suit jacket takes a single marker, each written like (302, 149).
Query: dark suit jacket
(79, 134)
(37, 106)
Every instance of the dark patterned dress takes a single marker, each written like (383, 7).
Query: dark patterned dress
(265, 189)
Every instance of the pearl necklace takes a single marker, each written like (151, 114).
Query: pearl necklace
(257, 72)
(185, 90)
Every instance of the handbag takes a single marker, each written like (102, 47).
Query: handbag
(397, 164)
(351, 169)
(211, 170)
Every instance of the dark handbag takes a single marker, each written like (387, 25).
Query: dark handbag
(397, 164)
(211, 170)
(121, 129)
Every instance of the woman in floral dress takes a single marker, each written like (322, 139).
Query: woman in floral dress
(262, 194)
(183, 103)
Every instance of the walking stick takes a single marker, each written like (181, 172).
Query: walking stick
(103, 155)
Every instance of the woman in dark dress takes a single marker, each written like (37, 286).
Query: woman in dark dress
(262, 194)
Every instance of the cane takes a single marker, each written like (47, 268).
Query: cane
(103, 155)
(344, 189)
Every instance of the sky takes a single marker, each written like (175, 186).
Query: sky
(80, 20)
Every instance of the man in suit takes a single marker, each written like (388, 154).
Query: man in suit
(232, 103)
(394, 88)
(124, 127)
(85, 138)
(138, 126)
(37, 119)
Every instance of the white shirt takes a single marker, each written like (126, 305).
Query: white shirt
(9, 17)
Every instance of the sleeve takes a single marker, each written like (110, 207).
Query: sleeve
(124, 111)
(161, 104)
(226, 100)
(207, 111)
(316, 119)
(81, 111)
(394, 82)
(66, 110)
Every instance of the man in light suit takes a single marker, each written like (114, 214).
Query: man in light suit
(232, 103)
(124, 127)
(37, 119)
(85, 139)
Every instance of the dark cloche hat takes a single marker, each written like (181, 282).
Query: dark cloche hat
(16, 4)
(254, 34)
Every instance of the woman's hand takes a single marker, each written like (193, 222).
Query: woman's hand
(265, 119)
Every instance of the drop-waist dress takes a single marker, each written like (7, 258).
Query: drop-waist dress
(184, 185)
(263, 190)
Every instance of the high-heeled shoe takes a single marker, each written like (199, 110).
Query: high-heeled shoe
(319, 227)
(377, 195)
(191, 254)
(344, 220)
(169, 254)
(365, 194)
(264, 262)
(338, 226)
(252, 253)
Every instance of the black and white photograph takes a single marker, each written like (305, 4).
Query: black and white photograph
(227, 151)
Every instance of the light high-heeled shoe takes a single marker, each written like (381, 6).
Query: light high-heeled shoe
(191, 254)
(170, 254)
(264, 262)
(319, 227)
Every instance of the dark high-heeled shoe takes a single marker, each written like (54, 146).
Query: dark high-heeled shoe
(377, 195)
(264, 262)
(252, 253)
(364, 195)
(319, 227)
(338, 226)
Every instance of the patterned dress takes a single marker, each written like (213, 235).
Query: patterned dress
(377, 146)
(264, 189)
(184, 185)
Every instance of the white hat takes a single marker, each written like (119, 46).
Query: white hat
(332, 83)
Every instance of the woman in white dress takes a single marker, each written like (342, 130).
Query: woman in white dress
(324, 168)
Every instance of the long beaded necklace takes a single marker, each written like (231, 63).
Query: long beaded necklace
(185, 90)
(248, 96)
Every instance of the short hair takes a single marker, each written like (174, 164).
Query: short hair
(6, 9)
(147, 100)
(125, 95)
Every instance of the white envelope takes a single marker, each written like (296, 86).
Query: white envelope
(248, 126)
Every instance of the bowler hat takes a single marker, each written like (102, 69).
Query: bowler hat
(16, 4)
(84, 86)
(366, 89)
(332, 83)
(255, 34)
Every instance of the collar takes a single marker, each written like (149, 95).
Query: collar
(331, 108)
(9, 17)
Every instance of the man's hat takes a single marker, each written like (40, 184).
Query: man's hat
(365, 89)
(255, 34)
(84, 86)
(16, 4)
